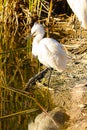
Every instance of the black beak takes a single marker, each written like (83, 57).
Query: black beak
(28, 36)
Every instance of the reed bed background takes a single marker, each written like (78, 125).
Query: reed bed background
(22, 12)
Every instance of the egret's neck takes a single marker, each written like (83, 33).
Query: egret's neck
(35, 44)
(38, 38)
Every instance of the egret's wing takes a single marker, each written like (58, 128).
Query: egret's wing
(51, 54)
(53, 45)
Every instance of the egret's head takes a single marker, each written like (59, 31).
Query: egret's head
(37, 29)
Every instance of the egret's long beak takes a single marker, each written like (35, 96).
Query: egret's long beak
(28, 36)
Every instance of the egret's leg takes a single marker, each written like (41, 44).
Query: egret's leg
(50, 69)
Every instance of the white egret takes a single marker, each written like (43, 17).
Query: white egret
(49, 52)
(79, 7)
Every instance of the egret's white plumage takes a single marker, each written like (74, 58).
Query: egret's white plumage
(79, 7)
(49, 52)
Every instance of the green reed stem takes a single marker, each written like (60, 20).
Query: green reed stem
(19, 113)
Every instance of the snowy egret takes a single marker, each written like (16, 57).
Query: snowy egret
(79, 7)
(49, 52)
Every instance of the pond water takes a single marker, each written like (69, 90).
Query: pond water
(16, 66)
